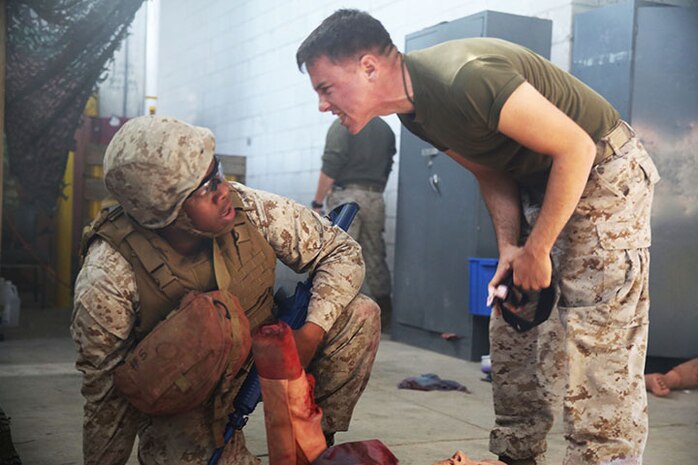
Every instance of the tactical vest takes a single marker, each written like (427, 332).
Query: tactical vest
(243, 260)
(163, 275)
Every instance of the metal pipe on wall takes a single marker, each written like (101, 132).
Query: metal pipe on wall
(152, 36)
(124, 106)
(2, 106)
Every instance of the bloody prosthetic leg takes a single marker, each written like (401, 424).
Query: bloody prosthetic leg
(292, 420)
(291, 417)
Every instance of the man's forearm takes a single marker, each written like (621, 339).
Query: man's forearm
(324, 184)
(572, 152)
(308, 338)
(501, 195)
(109, 431)
(111, 423)
(564, 189)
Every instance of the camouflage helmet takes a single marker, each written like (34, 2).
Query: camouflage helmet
(152, 165)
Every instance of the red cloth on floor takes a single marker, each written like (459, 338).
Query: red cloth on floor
(370, 452)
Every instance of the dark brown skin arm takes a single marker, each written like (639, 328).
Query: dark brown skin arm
(308, 337)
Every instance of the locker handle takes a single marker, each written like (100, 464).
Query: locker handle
(434, 183)
(429, 153)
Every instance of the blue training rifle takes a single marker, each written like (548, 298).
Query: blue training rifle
(292, 310)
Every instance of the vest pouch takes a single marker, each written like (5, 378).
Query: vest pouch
(177, 366)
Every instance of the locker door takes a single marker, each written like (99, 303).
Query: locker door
(441, 218)
(643, 59)
(437, 226)
(436, 195)
(664, 108)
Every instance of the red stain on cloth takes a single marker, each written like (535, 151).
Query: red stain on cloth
(370, 452)
(275, 352)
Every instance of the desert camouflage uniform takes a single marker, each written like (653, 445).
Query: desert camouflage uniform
(107, 303)
(595, 346)
(367, 228)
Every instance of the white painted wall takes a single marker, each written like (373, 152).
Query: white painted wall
(230, 66)
(123, 91)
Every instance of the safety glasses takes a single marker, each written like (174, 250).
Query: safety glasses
(210, 183)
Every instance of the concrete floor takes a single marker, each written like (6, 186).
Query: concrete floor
(39, 389)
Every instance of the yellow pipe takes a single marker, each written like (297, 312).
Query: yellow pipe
(94, 206)
(64, 227)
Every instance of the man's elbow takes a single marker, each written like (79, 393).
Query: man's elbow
(580, 152)
(352, 259)
(586, 153)
(359, 267)
(589, 150)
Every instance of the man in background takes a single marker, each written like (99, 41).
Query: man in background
(356, 168)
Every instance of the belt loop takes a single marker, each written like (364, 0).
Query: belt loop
(610, 138)
(617, 138)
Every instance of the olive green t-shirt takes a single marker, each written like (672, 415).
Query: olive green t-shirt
(459, 90)
(365, 157)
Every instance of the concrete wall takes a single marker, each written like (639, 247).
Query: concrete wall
(123, 90)
(230, 66)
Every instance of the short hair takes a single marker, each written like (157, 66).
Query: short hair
(343, 34)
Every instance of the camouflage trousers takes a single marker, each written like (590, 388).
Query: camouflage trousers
(367, 229)
(593, 348)
(341, 369)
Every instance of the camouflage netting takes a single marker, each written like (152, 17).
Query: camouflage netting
(57, 51)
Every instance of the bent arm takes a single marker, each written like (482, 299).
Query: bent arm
(534, 122)
(335, 159)
(570, 147)
(101, 325)
(501, 195)
(324, 184)
(305, 242)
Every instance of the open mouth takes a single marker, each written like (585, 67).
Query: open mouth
(228, 212)
(342, 116)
